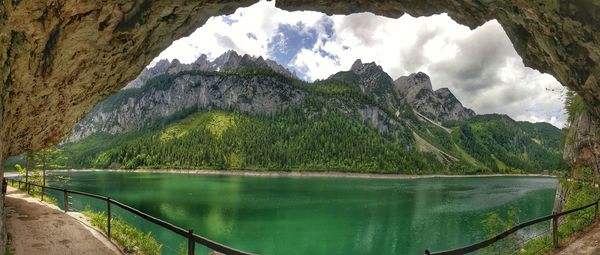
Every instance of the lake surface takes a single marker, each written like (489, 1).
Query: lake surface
(285, 215)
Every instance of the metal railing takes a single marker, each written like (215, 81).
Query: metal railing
(483, 244)
(188, 234)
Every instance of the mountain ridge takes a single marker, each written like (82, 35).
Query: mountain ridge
(406, 112)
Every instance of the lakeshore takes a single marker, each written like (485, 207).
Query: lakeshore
(301, 174)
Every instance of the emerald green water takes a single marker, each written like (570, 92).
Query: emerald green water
(331, 216)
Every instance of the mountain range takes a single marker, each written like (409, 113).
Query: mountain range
(243, 112)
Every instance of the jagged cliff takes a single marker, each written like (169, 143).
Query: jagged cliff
(440, 105)
(406, 114)
(582, 143)
(239, 82)
(170, 87)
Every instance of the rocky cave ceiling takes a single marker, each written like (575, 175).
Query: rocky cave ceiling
(58, 58)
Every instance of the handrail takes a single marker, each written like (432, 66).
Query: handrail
(490, 241)
(192, 237)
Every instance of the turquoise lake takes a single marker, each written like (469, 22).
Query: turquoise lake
(316, 215)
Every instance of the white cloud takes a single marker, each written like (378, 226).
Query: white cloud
(479, 66)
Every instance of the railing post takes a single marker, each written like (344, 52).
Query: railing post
(28, 188)
(19, 184)
(555, 229)
(108, 215)
(191, 243)
(596, 212)
(66, 200)
(42, 193)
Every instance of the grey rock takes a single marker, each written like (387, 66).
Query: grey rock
(256, 94)
(228, 61)
(440, 105)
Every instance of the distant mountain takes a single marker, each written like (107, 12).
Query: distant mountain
(229, 61)
(440, 105)
(250, 113)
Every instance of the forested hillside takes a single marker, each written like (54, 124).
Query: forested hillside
(254, 115)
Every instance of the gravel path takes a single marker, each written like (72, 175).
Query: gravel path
(36, 228)
(586, 243)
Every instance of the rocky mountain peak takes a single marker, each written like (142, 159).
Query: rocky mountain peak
(440, 105)
(413, 83)
(357, 65)
(365, 68)
(228, 61)
(444, 92)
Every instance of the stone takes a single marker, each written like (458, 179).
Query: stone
(440, 105)
(60, 58)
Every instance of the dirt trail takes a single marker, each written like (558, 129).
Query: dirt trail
(585, 243)
(36, 228)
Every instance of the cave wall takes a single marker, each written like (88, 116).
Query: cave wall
(582, 144)
(60, 57)
(559, 37)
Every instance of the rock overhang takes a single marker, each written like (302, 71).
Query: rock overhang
(59, 58)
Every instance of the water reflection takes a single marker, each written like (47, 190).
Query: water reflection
(324, 215)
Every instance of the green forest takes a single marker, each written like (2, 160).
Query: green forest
(325, 141)
(322, 133)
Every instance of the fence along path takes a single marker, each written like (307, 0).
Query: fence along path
(188, 234)
(485, 243)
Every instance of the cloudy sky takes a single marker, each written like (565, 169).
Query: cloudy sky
(479, 66)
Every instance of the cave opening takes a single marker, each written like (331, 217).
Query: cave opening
(478, 64)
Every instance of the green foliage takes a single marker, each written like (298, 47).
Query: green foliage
(574, 104)
(580, 192)
(34, 191)
(316, 136)
(20, 170)
(323, 133)
(506, 146)
(293, 140)
(494, 224)
(133, 240)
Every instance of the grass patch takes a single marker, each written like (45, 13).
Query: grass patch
(580, 193)
(133, 240)
(35, 192)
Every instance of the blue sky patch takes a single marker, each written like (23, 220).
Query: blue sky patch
(252, 36)
(289, 40)
(229, 20)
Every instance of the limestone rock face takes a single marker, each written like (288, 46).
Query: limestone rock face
(582, 145)
(163, 92)
(229, 61)
(58, 58)
(440, 105)
(372, 80)
(170, 88)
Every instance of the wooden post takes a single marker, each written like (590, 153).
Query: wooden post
(108, 215)
(596, 212)
(66, 200)
(555, 229)
(191, 243)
